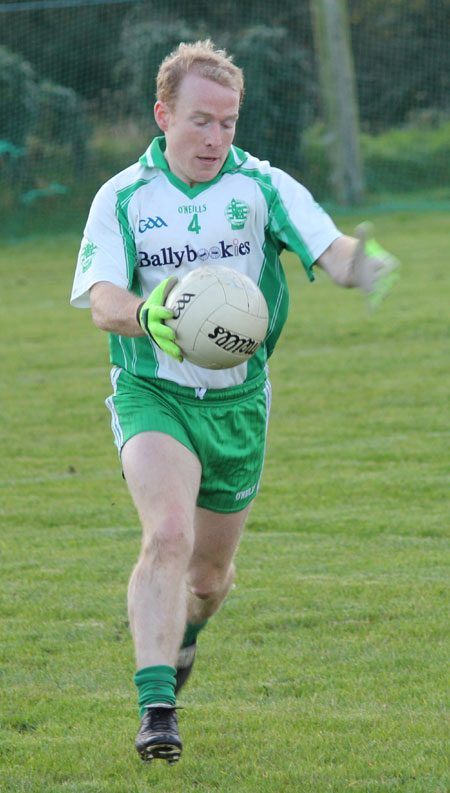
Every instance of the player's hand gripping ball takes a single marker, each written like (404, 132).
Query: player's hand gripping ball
(151, 315)
(220, 317)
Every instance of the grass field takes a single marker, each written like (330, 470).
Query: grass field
(327, 668)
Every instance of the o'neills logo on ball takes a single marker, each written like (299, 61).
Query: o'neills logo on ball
(233, 343)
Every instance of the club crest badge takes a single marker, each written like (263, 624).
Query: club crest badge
(236, 213)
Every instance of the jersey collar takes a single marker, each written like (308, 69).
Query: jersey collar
(154, 158)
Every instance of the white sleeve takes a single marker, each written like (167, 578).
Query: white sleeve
(107, 250)
(298, 221)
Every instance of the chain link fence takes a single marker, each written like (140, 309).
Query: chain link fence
(77, 91)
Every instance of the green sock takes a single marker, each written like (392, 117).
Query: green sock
(191, 633)
(155, 684)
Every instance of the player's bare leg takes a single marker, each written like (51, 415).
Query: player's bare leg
(211, 570)
(210, 575)
(163, 477)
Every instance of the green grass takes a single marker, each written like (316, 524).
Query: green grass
(327, 667)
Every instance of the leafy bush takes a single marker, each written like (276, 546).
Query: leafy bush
(18, 112)
(60, 121)
(43, 135)
(407, 158)
(413, 157)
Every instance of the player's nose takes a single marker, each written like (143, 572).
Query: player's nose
(214, 135)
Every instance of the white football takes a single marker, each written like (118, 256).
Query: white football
(220, 317)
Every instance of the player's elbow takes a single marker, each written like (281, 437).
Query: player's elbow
(98, 316)
(99, 321)
(97, 302)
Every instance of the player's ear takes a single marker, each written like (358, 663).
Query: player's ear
(161, 113)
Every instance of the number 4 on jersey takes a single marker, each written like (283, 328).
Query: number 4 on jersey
(194, 224)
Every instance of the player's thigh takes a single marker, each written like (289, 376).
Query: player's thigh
(216, 541)
(162, 475)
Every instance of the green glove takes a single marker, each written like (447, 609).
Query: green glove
(151, 315)
(375, 271)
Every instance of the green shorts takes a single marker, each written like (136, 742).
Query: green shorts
(226, 429)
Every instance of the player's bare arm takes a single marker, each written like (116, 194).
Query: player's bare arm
(114, 309)
(337, 261)
(121, 312)
(361, 262)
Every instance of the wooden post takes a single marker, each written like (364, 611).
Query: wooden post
(338, 91)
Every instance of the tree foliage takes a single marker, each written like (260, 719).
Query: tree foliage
(17, 99)
(40, 123)
(279, 83)
(392, 43)
(60, 66)
(402, 59)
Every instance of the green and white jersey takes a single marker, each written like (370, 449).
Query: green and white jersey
(145, 224)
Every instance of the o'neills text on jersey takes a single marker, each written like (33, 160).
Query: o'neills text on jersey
(192, 209)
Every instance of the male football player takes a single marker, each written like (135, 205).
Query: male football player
(191, 440)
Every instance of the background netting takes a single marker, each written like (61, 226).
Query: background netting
(77, 90)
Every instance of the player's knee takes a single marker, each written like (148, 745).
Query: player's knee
(211, 582)
(171, 538)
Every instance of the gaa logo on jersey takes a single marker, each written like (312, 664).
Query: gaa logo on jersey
(236, 213)
(146, 224)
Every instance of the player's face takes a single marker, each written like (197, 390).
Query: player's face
(199, 128)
